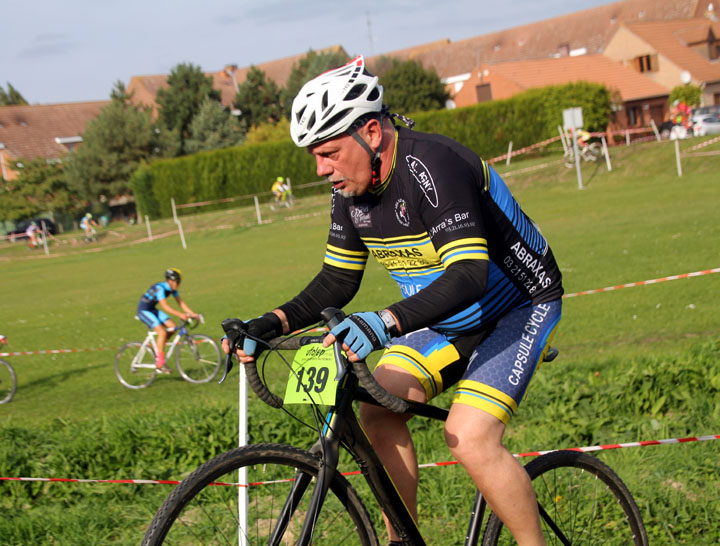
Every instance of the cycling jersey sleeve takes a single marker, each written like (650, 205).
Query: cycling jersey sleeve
(462, 284)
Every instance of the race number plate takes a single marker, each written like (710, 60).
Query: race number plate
(312, 379)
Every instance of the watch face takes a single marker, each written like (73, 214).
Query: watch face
(388, 320)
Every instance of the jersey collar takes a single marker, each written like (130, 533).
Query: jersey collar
(377, 190)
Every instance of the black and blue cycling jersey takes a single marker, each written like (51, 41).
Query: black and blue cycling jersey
(151, 297)
(448, 231)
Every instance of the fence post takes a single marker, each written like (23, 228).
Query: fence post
(562, 139)
(507, 162)
(627, 137)
(655, 129)
(177, 221)
(606, 153)
(677, 157)
(44, 237)
(257, 209)
(147, 223)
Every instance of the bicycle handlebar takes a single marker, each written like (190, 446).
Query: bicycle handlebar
(235, 330)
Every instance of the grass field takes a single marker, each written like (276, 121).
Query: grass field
(635, 364)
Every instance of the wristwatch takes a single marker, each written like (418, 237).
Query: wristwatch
(389, 322)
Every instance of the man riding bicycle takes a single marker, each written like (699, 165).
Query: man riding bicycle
(159, 319)
(87, 224)
(281, 191)
(481, 288)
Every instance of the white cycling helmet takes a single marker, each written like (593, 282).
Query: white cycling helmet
(329, 104)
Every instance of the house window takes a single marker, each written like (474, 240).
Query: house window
(634, 116)
(483, 92)
(646, 63)
(563, 50)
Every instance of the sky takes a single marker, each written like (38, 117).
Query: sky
(75, 50)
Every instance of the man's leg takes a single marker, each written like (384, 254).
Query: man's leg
(475, 440)
(391, 438)
(160, 340)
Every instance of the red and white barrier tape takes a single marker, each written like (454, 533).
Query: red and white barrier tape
(356, 472)
(643, 283)
(702, 144)
(525, 149)
(583, 293)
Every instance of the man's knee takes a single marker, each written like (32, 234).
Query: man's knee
(470, 430)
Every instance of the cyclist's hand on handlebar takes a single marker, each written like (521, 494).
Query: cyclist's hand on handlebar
(361, 333)
(267, 326)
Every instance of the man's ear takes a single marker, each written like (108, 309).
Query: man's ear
(372, 133)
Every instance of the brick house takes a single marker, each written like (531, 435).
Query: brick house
(51, 131)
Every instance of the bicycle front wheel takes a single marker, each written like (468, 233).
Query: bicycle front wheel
(198, 358)
(581, 500)
(8, 382)
(135, 366)
(204, 508)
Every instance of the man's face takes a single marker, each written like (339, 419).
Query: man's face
(344, 163)
(173, 284)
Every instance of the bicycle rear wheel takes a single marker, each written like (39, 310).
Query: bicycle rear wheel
(198, 358)
(134, 366)
(203, 509)
(8, 382)
(584, 499)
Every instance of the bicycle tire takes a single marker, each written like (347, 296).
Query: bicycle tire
(192, 512)
(131, 373)
(198, 358)
(584, 497)
(569, 159)
(8, 382)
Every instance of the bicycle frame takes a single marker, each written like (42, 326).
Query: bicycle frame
(178, 334)
(342, 428)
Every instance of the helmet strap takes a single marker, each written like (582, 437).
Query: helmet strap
(375, 161)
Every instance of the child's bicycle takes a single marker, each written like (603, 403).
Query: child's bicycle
(197, 356)
(8, 382)
(294, 496)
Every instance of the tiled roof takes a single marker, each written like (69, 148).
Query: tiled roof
(589, 29)
(30, 131)
(146, 87)
(672, 40)
(507, 79)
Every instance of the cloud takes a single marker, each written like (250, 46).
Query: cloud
(49, 44)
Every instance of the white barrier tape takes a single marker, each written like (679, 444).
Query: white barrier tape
(643, 283)
(584, 293)
(586, 449)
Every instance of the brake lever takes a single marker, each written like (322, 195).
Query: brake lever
(234, 330)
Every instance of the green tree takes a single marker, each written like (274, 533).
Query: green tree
(181, 101)
(258, 98)
(310, 66)
(114, 144)
(408, 87)
(689, 94)
(213, 127)
(269, 132)
(40, 187)
(12, 97)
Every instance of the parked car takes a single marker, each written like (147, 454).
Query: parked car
(704, 111)
(707, 125)
(22, 225)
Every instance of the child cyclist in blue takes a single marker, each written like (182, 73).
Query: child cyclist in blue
(159, 319)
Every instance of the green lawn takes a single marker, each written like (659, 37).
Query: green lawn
(635, 364)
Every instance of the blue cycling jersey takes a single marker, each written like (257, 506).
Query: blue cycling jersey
(158, 291)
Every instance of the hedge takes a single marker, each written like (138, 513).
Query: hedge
(485, 128)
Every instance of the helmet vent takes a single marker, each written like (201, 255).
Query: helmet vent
(356, 91)
(334, 120)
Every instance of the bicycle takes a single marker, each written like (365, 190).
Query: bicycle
(590, 152)
(198, 357)
(581, 500)
(8, 382)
